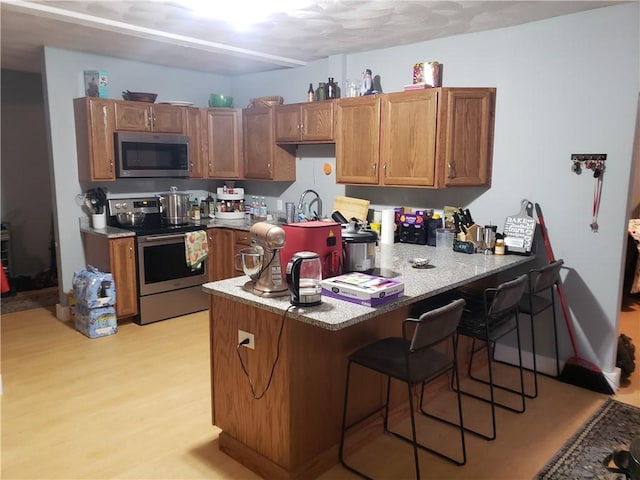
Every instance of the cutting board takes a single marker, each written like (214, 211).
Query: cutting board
(519, 229)
(351, 207)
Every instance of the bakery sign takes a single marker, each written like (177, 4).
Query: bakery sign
(520, 229)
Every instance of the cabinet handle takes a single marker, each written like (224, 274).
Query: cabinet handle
(384, 170)
(374, 167)
(452, 170)
(146, 119)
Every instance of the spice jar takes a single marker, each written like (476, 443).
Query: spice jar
(499, 248)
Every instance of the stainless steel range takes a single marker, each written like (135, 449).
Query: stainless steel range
(167, 287)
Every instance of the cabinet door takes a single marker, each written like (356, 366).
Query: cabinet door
(288, 122)
(168, 119)
(95, 125)
(465, 136)
(258, 142)
(123, 269)
(408, 138)
(133, 116)
(224, 143)
(241, 240)
(221, 259)
(142, 117)
(358, 140)
(197, 143)
(317, 121)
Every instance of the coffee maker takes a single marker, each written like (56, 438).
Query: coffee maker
(304, 274)
(262, 261)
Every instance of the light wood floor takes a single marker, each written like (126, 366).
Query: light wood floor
(136, 405)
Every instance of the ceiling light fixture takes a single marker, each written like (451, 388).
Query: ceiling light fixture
(243, 14)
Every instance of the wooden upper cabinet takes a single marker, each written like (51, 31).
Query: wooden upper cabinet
(145, 117)
(263, 159)
(311, 122)
(434, 138)
(408, 138)
(223, 143)
(95, 125)
(358, 140)
(197, 145)
(465, 136)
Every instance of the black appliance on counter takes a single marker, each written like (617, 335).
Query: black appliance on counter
(167, 287)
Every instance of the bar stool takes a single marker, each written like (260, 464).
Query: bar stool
(487, 320)
(540, 296)
(414, 359)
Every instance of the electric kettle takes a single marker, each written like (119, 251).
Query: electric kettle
(304, 274)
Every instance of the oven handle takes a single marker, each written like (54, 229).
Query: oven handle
(162, 238)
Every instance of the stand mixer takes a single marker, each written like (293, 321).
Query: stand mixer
(262, 261)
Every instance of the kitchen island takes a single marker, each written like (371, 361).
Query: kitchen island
(288, 426)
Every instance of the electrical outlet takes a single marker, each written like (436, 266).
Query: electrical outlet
(242, 335)
(279, 205)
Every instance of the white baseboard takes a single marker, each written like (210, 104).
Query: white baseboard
(509, 354)
(63, 313)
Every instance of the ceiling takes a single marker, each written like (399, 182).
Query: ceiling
(166, 33)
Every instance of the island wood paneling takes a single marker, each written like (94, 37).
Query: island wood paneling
(296, 425)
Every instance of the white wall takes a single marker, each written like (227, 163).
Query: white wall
(565, 85)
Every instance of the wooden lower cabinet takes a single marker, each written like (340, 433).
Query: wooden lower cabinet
(224, 246)
(118, 257)
(220, 261)
(241, 240)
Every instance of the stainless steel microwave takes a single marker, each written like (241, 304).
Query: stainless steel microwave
(150, 155)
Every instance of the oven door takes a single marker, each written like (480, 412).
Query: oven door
(162, 264)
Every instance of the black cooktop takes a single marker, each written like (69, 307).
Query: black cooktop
(154, 225)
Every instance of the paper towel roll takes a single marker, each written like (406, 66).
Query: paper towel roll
(388, 227)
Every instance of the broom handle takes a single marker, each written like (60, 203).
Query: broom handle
(563, 304)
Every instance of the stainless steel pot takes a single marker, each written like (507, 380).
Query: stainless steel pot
(359, 248)
(174, 206)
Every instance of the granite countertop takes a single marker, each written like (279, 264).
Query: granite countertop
(448, 270)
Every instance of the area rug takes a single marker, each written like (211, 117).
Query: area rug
(614, 425)
(46, 297)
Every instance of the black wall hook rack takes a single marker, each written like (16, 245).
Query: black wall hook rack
(591, 161)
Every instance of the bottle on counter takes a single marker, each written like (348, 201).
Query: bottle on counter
(211, 203)
(263, 209)
(195, 210)
(311, 93)
(204, 208)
